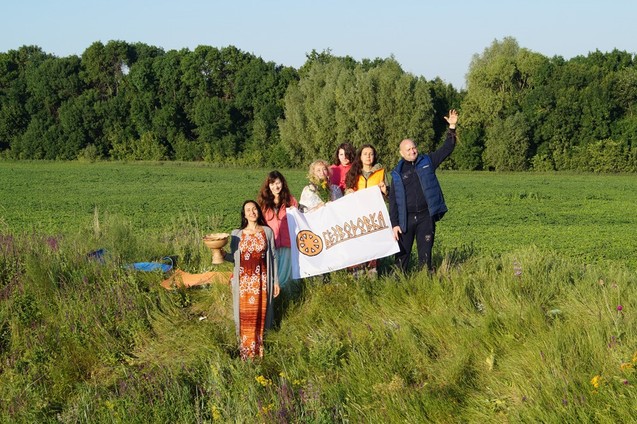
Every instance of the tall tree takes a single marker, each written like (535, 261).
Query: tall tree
(104, 66)
(507, 144)
(14, 95)
(497, 82)
(334, 102)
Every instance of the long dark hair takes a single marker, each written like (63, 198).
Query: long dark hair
(266, 198)
(244, 220)
(351, 179)
(350, 153)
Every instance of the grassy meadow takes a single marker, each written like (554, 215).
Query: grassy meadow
(529, 317)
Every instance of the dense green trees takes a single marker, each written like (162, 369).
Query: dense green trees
(526, 111)
(520, 111)
(134, 101)
(338, 99)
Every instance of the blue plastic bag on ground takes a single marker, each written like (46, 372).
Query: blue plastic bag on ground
(164, 266)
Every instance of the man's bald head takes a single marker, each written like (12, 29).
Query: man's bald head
(408, 150)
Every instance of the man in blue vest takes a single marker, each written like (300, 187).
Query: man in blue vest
(415, 199)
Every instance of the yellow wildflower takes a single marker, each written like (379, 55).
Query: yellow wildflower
(635, 358)
(626, 366)
(596, 381)
(216, 414)
(265, 382)
(265, 410)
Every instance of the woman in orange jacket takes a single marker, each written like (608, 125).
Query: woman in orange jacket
(366, 172)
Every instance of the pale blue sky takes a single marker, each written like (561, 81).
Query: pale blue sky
(428, 38)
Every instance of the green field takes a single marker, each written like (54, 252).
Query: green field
(529, 317)
(586, 216)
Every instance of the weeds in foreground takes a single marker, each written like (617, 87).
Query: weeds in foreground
(527, 336)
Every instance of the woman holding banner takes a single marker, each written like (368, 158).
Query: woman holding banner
(319, 191)
(366, 172)
(274, 197)
(255, 281)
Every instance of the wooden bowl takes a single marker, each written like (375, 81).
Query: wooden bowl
(216, 242)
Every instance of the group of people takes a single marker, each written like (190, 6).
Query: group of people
(260, 248)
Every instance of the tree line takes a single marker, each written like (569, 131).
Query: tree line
(131, 101)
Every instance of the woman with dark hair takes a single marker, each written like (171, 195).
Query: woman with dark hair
(366, 172)
(255, 281)
(274, 197)
(342, 162)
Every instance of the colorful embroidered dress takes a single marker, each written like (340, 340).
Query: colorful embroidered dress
(253, 296)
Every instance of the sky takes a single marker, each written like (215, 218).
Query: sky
(427, 38)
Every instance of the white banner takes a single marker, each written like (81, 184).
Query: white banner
(349, 231)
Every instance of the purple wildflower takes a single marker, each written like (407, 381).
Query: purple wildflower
(53, 243)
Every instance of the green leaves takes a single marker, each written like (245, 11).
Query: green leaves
(337, 100)
(229, 106)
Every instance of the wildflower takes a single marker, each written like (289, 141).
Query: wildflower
(265, 382)
(216, 414)
(596, 381)
(397, 383)
(626, 382)
(265, 410)
(282, 375)
(620, 308)
(479, 306)
(321, 188)
(634, 360)
(626, 366)
(53, 243)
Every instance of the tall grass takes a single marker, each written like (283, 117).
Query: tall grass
(524, 336)
(529, 318)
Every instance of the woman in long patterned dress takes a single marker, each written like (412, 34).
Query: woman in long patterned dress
(255, 281)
